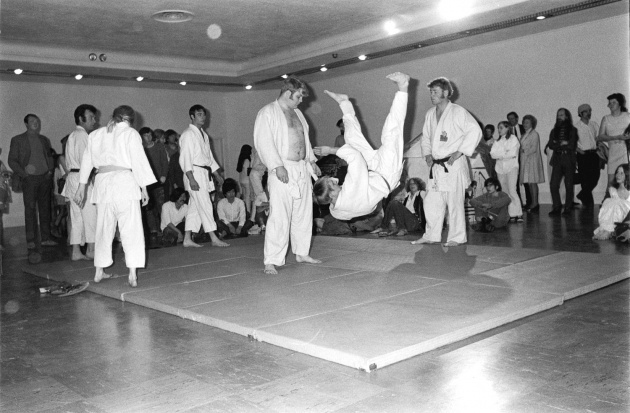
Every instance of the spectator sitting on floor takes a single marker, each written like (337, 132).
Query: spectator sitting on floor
(616, 208)
(231, 211)
(408, 213)
(491, 208)
(260, 210)
(174, 217)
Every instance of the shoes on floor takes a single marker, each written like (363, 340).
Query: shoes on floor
(556, 212)
(401, 233)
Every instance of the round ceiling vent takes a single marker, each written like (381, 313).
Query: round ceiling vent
(173, 16)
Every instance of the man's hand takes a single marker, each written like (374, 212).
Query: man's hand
(455, 156)
(144, 196)
(219, 179)
(429, 159)
(239, 229)
(282, 174)
(162, 179)
(193, 184)
(231, 228)
(80, 195)
(316, 169)
(580, 151)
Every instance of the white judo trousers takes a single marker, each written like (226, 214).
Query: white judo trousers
(126, 213)
(387, 159)
(82, 220)
(200, 205)
(290, 213)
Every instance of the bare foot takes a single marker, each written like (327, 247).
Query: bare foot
(189, 243)
(307, 258)
(339, 97)
(401, 79)
(270, 269)
(100, 276)
(79, 257)
(133, 281)
(602, 235)
(452, 244)
(219, 243)
(89, 255)
(422, 241)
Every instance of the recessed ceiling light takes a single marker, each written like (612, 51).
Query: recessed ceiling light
(18, 71)
(172, 16)
(248, 87)
(78, 77)
(139, 78)
(182, 83)
(362, 57)
(541, 17)
(323, 68)
(285, 76)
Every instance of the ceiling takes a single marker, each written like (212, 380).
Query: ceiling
(260, 39)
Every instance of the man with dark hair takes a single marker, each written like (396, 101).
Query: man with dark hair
(123, 175)
(449, 133)
(30, 158)
(518, 130)
(82, 219)
(198, 163)
(231, 211)
(587, 158)
(158, 159)
(281, 141)
(563, 140)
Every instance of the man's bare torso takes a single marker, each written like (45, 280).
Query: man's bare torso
(297, 148)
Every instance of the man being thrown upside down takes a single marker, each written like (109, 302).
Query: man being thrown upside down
(372, 173)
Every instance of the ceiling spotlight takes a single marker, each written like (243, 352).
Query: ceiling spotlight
(323, 68)
(183, 83)
(78, 77)
(248, 87)
(139, 78)
(285, 76)
(102, 57)
(92, 56)
(541, 17)
(18, 71)
(362, 57)
(172, 16)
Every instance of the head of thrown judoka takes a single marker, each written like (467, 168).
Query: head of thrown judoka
(326, 190)
(292, 92)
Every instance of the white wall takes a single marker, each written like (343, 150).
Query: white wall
(536, 74)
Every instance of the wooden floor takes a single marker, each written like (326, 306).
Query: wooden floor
(571, 358)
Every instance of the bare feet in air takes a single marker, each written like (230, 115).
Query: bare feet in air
(270, 269)
(307, 258)
(401, 79)
(339, 97)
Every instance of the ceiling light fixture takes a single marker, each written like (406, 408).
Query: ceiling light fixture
(362, 57)
(541, 17)
(172, 16)
(18, 71)
(323, 68)
(248, 87)
(79, 77)
(183, 83)
(285, 76)
(139, 78)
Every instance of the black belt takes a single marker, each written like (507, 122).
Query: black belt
(207, 168)
(441, 162)
(589, 151)
(75, 170)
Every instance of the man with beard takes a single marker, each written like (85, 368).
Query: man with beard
(563, 141)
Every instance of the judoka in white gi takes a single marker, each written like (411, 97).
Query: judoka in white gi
(449, 133)
(197, 162)
(281, 140)
(372, 173)
(82, 220)
(121, 182)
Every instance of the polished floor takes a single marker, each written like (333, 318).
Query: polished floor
(89, 353)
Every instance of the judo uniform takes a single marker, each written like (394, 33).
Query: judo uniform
(456, 131)
(82, 220)
(372, 173)
(117, 193)
(290, 204)
(195, 155)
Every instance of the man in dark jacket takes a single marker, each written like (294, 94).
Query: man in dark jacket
(30, 158)
(563, 141)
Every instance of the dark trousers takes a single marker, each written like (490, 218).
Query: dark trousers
(588, 168)
(221, 226)
(564, 168)
(403, 217)
(37, 192)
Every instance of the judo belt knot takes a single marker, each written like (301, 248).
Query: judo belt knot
(441, 162)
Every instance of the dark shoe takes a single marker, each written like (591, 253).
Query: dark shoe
(556, 212)
(534, 209)
(567, 211)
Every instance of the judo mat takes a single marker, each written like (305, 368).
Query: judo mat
(371, 303)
